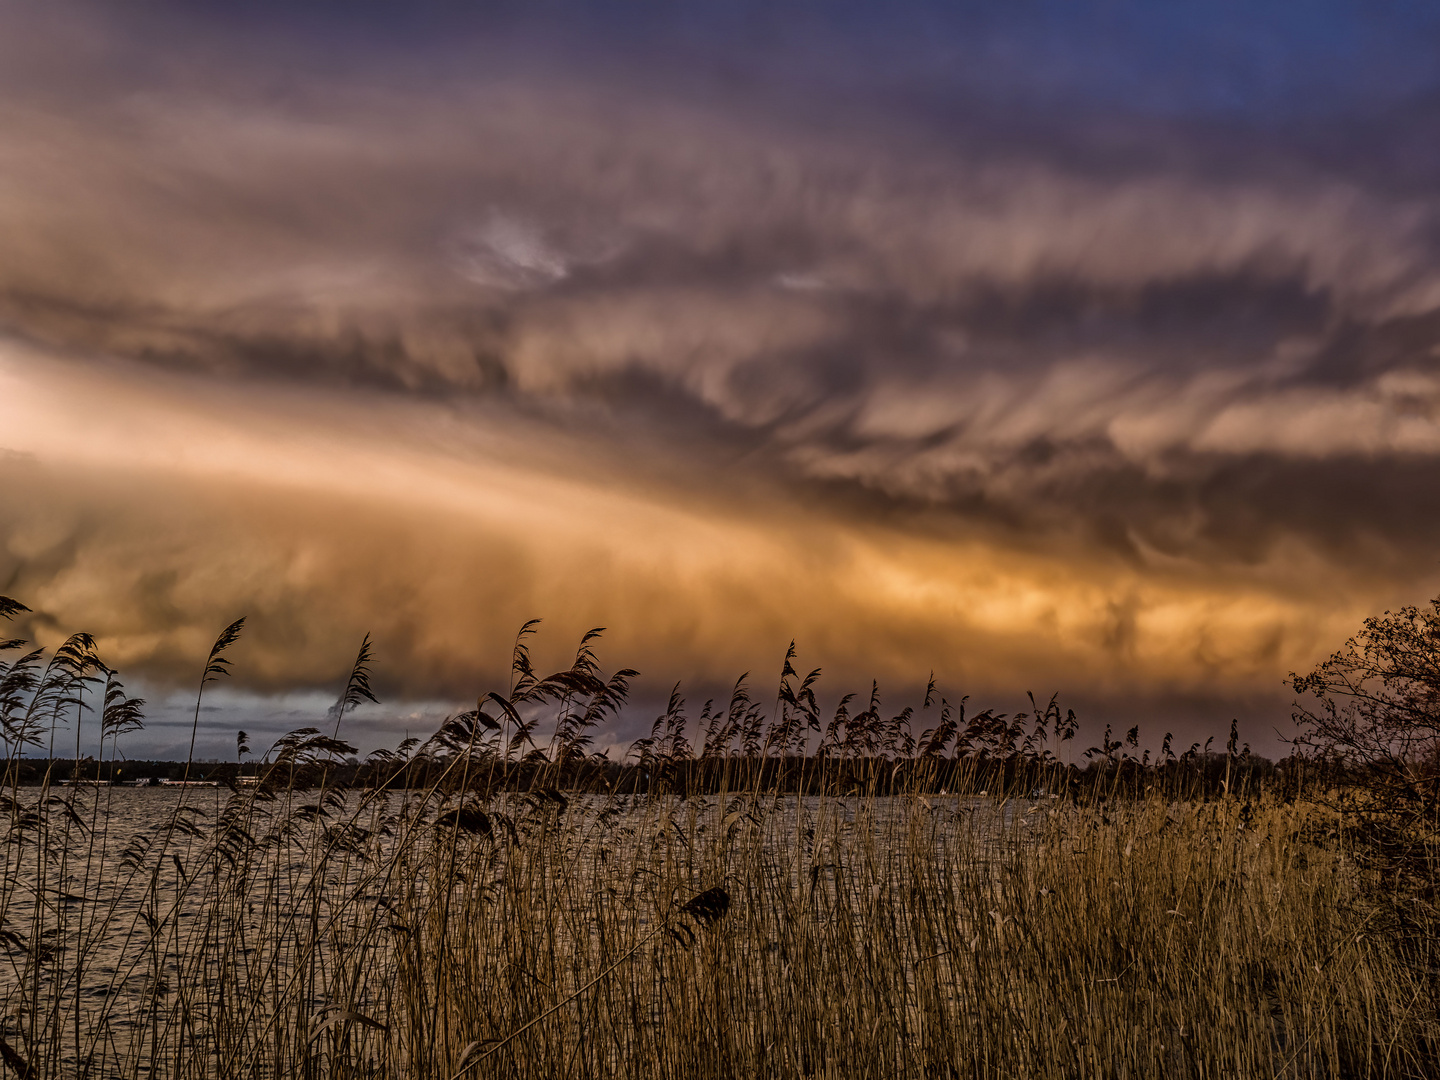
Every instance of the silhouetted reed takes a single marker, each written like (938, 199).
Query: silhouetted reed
(754, 891)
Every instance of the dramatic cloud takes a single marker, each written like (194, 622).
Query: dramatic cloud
(923, 364)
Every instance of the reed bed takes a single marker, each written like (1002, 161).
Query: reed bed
(806, 920)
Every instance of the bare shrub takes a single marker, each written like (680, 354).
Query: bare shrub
(1371, 712)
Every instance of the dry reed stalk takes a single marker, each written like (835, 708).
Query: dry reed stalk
(750, 911)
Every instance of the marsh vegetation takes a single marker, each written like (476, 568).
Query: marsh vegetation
(761, 891)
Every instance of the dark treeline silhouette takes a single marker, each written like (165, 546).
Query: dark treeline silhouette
(1204, 776)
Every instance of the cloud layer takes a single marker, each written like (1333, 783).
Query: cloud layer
(1036, 392)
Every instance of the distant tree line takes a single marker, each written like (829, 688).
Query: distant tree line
(1203, 775)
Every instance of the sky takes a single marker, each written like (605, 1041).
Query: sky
(1089, 349)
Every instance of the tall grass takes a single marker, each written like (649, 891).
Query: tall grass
(750, 907)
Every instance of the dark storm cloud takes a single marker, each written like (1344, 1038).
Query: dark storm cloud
(1119, 330)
